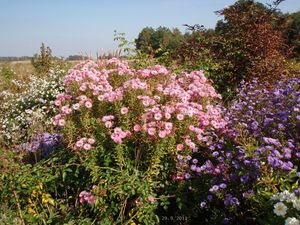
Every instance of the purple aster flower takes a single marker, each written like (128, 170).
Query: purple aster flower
(193, 167)
(227, 199)
(195, 161)
(244, 179)
(215, 154)
(226, 220)
(220, 145)
(209, 198)
(187, 176)
(220, 159)
(272, 141)
(214, 189)
(234, 201)
(228, 155)
(202, 205)
(254, 125)
(223, 186)
(179, 157)
(212, 147)
(287, 166)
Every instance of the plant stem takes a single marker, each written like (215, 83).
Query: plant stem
(18, 206)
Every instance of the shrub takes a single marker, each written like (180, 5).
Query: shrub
(125, 125)
(42, 62)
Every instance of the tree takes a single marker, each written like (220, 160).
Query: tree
(144, 40)
(251, 43)
(43, 61)
(157, 42)
(293, 32)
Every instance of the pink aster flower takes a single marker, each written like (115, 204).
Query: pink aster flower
(117, 139)
(137, 128)
(82, 97)
(87, 146)
(82, 88)
(79, 143)
(146, 102)
(91, 199)
(88, 104)
(157, 116)
(162, 134)
(101, 98)
(191, 128)
(167, 115)
(57, 117)
(68, 111)
(91, 141)
(108, 124)
(169, 126)
(76, 106)
(123, 134)
(85, 196)
(150, 199)
(57, 102)
(61, 122)
(179, 147)
(151, 131)
(124, 110)
(180, 117)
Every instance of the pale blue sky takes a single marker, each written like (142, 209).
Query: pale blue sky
(78, 26)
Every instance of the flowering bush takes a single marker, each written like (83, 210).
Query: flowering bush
(129, 126)
(272, 117)
(30, 110)
(265, 120)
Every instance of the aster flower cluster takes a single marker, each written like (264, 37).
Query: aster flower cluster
(152, 102)
(86, 196)
(84, 143)
(271, 112)
(44, 143)
(288, 207)
(278, 155)
(272, 117)
(31, 107)
(229, 172)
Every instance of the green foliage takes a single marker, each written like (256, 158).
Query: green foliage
(293, 32)
(156, 42)
(44, 193)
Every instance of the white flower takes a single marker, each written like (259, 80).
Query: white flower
(296, 204)
(291, 198)
(291, 221)
(280, 209)
(284, 195)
